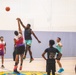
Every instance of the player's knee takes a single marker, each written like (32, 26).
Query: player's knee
(57, 61)
(28, 47)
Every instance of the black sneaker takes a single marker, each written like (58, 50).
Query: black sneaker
(15, 71)
(2, 66)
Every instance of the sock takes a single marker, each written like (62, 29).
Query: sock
(15, 67)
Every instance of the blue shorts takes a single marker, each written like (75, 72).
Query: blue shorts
(28, 42)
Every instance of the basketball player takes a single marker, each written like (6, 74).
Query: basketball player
(28, 39)
(59, 47)
(2, 49)
(50, 60)
(20, 47)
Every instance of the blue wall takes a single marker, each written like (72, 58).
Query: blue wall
(68, 41)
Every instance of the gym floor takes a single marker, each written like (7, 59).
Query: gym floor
(39, 64)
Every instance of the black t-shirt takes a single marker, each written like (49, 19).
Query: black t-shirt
(51, 52)
(27, 34)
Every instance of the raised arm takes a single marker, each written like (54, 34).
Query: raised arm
(19, 28)
(21, 23)
(35, 37)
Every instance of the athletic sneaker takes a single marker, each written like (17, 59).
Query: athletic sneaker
(15, 71)
(2, 66)
(31, 60)
(20, 68)
(61, 70)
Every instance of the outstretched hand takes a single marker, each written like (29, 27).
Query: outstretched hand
(18, 19)
(39, 41)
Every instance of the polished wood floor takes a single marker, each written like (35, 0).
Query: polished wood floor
(39, 64)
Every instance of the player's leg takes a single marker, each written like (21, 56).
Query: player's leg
(48, 67)
(29, 42)
(53, 67)
(22, 49)
(2, 57)
(16, 63)
(53, 73)
(48, 73)
(2, 61)
(58, 61)
(21, 61)
(25, 52)
(26, 49)
(60, 65)
(30, 52)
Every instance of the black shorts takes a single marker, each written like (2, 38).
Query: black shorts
(58, 58)
(50, 66)
(20, 50)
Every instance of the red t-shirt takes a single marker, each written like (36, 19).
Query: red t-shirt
(19, 40)
(2, 45)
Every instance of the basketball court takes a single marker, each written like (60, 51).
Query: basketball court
(37, 67)
(48, 19)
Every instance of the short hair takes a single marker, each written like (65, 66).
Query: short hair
(59, 38)
(29, 25)
(1, 36)
(16, 33)
(51, 42)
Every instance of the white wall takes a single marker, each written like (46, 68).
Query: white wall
(64, 15)
(44, 15)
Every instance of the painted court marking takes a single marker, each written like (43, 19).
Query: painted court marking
(24, 73)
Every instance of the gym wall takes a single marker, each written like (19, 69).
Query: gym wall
(48, 18)
(68, 41)
(43, 15)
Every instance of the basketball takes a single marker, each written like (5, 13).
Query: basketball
(7, 8)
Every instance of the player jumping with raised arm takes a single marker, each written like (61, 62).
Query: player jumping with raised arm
(20, 47)
(28, 39)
